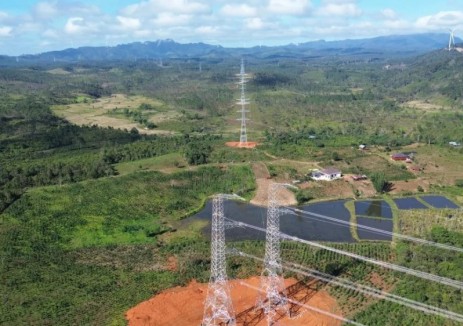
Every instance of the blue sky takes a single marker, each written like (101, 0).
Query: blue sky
(28, 26)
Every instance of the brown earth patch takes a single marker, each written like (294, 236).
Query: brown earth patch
(249, 144)
(185, 305)
(172, 264)
(365, 187)
(409, 186)
(329, 189)
(263, 181)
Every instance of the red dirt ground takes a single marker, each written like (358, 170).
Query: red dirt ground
(249, 144)
(184, 305)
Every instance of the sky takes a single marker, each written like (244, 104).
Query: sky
(28, 26)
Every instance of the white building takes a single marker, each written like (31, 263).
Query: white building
(327, 174)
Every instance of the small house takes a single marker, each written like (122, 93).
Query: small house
(400, 157)
(327, 174)
(362, 147)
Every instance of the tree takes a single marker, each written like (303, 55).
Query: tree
(379, 181)
(197, 153)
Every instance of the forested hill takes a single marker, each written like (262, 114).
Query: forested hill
(436, 74)
(383, 46)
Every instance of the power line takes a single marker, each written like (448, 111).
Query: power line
(424, 275)
(299, 269)
(292, 210)
(321, 311)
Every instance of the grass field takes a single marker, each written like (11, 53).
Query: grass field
(166, 163)
(101, 112)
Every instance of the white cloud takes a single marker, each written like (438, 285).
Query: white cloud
(338, 8)
(50, 33)
(238, 10)
(443, 19)
(288, 7)
(168, 19)
(5, 31)
(255, 23)
(389, 14)
(129, 23)
(74, 25)
(46, 10)
(206, 30)
(151, 8)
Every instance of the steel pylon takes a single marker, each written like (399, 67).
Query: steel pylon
(218, 308)
(273, 300)
(242, 101)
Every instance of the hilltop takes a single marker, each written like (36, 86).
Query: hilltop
(382, 46)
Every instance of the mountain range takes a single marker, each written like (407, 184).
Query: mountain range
(382, 46)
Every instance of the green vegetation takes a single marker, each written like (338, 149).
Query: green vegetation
(428, 259)
(100, 162)
(67, 241)
(379, 181)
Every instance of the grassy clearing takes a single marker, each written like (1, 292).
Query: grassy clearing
(442, 165)
(165, 163)
(104, 112)
(420, 222)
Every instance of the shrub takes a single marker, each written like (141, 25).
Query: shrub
(303, 196)
(379, 181)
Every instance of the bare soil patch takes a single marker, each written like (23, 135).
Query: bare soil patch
(409, 185)
(263, 181)
(249, 144)
(365, 187)
(184, 305)
(172, 264)
(335, 189)
(422, 105)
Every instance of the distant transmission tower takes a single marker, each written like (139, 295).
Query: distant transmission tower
(243, 78)
(452, 40)
(274, 302)
(218, 309)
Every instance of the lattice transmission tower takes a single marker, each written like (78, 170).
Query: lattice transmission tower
(273, 300)
(452, 40)
(218, 308)
(243, 101)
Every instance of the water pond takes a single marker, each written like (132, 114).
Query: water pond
(300, 225)
(409, 203)
(373, 208)
(439, 201)
(381, 224)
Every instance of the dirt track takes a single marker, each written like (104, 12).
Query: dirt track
(184, 306)
(263, 181)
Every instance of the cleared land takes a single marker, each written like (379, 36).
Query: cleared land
(99, 112)
(263, 181)
(184, 306)
(166, 163)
